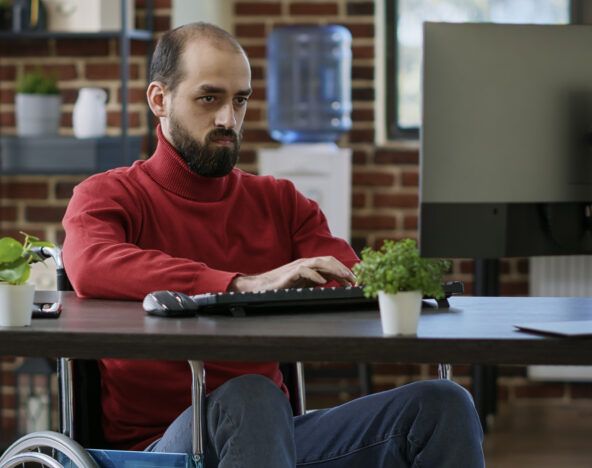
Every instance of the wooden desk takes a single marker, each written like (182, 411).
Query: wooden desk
(473, 330)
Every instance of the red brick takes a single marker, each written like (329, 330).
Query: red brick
(523, 266)
(257, 73)
(381, 179)
(361, 135)
(362, 72)
(388, 156)
(82, 47)
(410, 179)
(363, 115)
(360, 157)
(362, 52)
(467, 266)
(363, 94)
(250, 30)
(7, 72)
(257, 136)
(258, 8)
(258, 94)
(7, 96)
(395, 237)
(7, 213)
(410, 222)
(358, 200)
(511, 371)
(156, 4)
(69, 96)
(309, 8)
(64, 189)
(504, 266)
(108, 71)
(162, 23)
(61, 72)
(373, 222)
(114, 119)
(134, 95)
(7, 119)
(514, 288)
(248, 156)
(255, 51)
(360, 8)
(254, 115)
(139, 48)
(360, 29)
(66, 120)
(27, 190)
(26, 48)
(49, 214)
(544, 390)
(395, 200)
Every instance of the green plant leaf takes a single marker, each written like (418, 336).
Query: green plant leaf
(16, 272)
(10, 249)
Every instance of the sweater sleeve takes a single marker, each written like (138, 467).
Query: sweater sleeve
(310, 232)
(102, 260)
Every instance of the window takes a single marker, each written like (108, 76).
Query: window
(404, 41)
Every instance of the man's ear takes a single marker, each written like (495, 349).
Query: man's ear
(156, 95)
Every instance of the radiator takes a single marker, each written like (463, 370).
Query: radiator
(561, 276)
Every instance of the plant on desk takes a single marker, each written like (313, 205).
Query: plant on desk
(399, 276)
(16, 295)
(38, 104)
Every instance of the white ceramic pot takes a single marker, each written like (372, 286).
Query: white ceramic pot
(16, 304)
(399, 313)
(37, 114)
(89, 118)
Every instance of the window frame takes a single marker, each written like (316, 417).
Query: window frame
(393, 131)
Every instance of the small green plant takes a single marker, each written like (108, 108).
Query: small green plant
(37, 82)
(397, 267)
(16, 258)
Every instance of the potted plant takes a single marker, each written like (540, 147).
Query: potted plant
(400, 278)
(38, 104)
(16, 295)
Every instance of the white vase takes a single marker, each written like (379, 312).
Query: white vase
(16, 304)
(89, 118)
(399, 313)
(37, 114)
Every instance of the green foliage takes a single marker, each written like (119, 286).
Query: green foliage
(16, 258)
(396, 267)
(37, 82)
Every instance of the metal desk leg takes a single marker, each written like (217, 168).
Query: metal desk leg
(198, 401)
(445, 371)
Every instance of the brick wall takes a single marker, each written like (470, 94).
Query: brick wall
(385, 179)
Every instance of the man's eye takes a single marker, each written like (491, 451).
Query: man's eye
(207, 99)
(241, 101)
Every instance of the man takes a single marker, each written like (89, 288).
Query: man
(187, 220)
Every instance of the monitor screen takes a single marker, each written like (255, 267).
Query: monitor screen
(506, 140)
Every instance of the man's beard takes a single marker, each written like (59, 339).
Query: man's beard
(204, 158)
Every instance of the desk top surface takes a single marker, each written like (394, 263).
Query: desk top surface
(473, 330)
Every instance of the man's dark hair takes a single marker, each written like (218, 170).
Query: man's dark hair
(166, 59)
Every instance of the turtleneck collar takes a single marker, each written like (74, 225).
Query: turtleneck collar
(168, 169)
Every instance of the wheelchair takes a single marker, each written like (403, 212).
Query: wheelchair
(80, 415)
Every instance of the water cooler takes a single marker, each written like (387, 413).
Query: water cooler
(308, 108)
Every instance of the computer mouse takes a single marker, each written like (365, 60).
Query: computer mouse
(169, 304)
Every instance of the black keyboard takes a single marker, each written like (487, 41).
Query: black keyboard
(173, 304)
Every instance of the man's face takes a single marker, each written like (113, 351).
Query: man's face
(205, 112)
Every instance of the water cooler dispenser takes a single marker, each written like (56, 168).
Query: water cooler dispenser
(308, 108)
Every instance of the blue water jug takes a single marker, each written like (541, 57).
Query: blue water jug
(309, 83)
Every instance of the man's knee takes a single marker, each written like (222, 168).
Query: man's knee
(251, 393)
(444, 397)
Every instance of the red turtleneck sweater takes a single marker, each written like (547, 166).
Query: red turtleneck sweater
(157, 225)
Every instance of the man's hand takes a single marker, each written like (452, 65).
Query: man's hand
(304, 272)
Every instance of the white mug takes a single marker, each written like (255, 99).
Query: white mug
(90, 115)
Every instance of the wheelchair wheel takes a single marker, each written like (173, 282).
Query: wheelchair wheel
(46, 448)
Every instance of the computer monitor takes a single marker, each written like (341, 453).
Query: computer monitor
(506, 140)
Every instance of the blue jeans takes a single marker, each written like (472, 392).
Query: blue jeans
(250, 424)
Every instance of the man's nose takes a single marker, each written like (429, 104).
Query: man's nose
(225, 117)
